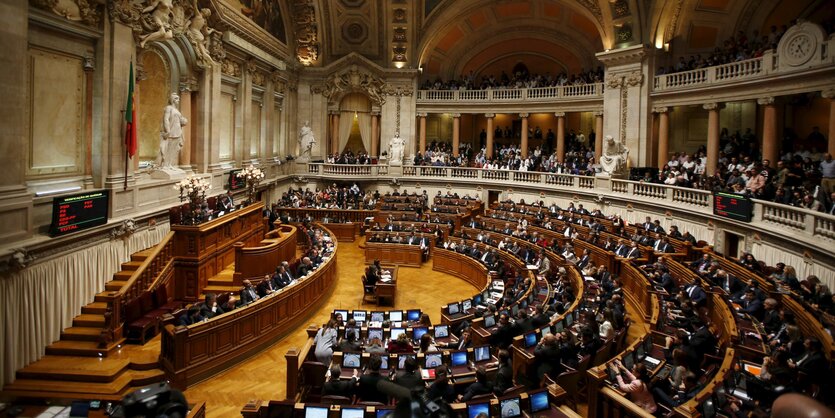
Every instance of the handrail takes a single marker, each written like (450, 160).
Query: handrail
(150, 270)
(531, 94)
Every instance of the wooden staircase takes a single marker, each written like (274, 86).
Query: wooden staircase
(81, 366)
(222, 282)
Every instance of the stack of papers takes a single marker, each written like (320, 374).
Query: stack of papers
(427, 374)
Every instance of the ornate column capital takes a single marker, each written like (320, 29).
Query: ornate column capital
(489, 115)
(251, 66)
(559, 114)
(423, 114)
(765, 101)
(712, 106)
(524, 115)
(456, 115)
(660, 109)
(89, 64)
(828, 94)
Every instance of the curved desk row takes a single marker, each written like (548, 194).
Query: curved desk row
(255, 262)
(197, 352)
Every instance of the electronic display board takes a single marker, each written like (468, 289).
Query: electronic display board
(77, 212)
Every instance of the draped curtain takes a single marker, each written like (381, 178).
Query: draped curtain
(364, 121)
(346, 121)
(38, 302)
(350, 105)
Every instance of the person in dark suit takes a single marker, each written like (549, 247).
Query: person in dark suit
(440, 387)
(584, 260)
(696, 294)
(634, 251)
(504, 375)
(367, 385)
(703, 341)
(771, 316)
(523, 323)
(248, 293)
(409, 377)
(504, 334)
(751, 305)
(547, 357)
(227, 203)
(337, 387)
(662, 246)
(813, 362)
(191, 317)
(539, 318)
(305, 267)
(210, 308)
(480, 387)
(267, 286)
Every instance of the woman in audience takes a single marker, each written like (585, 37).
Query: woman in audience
(607, 329)
(400, 345)
(325, 341)
(637, 386)
(426, 344)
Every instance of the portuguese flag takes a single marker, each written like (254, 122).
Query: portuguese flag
(130, 119)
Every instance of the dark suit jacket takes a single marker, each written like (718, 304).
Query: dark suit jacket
(547, 361)
(367, 390)
(303, 269)
(408, 380)
(476, 389)
(339, 387)
(246, 296)
(504, 379)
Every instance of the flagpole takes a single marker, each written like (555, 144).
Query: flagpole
(126, 168)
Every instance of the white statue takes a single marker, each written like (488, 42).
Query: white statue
(615, 154)
(306, 142)
(198, 32)
(161, 15)
(396, 147)
(171, 134)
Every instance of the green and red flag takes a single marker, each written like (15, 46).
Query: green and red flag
(130, 119)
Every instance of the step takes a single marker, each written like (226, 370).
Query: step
(122, 275)
(131, 265)
(103, 296)
(72, 388)
(142, 378)
(75, 368)
(82, 334)
(141, 255)
(95, 308)
(83, 348)
(221, 289)
(115, 285)
(88, 320)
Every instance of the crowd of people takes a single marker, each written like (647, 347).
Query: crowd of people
(320, 249)
(518, 79)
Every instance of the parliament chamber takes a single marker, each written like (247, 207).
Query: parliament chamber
(469, 208)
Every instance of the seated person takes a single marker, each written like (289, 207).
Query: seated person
(248, 293)
(350, 343)
(336, 387)
(191, 317)
(637, 385)
(400, 345)
(210, 307)
(480, 387)
(409, 377)
(367, 385)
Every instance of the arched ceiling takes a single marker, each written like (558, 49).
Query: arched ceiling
(477, 34)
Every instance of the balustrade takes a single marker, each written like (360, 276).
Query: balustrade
(535, 94)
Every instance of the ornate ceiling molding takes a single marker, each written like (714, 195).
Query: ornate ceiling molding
(357, 74)
(88, 12)
(622, 56)
(231, 19)
(306, 31)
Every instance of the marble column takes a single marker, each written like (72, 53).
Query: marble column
(560, 136)
(663, 135)
(712, 137)
(770, 146)
(375, 140)
(598, 134)
(185, 109)
(524, 145)
(830, 94)
(456, 133)
(422, 149)
(16, 212)
(489, 145)
(335, 134)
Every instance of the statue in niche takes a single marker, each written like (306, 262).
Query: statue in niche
(161, 11)
(198, 33)
(396, 147)
(615, 154)
(171, 134)
(306, 142)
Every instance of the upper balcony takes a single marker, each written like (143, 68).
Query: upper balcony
(540, 99)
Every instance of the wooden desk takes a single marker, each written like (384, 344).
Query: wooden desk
(387, 290)
(345, 232)
(396, 254)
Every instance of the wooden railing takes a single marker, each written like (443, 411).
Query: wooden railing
(255, 262)
(146, 276)
(197, 352)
